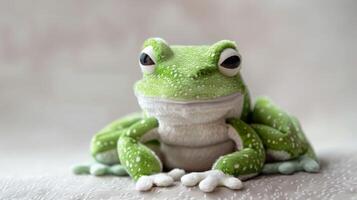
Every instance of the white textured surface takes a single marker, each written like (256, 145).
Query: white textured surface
(67, 69)
(338, 180)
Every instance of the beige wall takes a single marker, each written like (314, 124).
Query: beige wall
(67, 67)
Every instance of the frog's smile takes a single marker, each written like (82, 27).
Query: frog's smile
(174, 112)
(199, 101)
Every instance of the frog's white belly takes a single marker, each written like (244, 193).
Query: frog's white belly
(193, 134)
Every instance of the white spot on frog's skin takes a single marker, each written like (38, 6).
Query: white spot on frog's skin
(138, 159)
(236, 166)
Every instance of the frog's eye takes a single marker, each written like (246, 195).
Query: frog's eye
(229, 62)
(147, 60)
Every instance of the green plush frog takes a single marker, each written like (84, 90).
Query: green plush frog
(197, 125)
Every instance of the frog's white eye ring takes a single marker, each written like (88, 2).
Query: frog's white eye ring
(147, 60)
(229, 62)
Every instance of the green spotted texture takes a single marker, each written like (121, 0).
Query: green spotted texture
(107, 138)
(137, 158)
(276, 129)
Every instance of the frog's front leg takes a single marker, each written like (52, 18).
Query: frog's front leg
(141, 162)
(244, 163)
(287, 147)
(104, 148)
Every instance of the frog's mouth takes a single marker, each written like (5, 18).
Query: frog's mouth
(177, 112)
(183, 102)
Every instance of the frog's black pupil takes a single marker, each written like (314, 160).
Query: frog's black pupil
(231, 62)
(146, 60)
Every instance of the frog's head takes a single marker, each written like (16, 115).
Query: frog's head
(189, 73)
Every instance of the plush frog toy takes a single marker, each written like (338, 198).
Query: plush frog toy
(197, 125)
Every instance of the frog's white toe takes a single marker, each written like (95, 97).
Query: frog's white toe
(98, 169)
(232, 183)
(309, 164)
(287, 168)
(211, 179)
(145, 183)
(176, 174)
(191, 179)
(163, 180)
(209, 184)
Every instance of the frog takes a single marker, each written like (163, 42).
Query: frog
(198, 125)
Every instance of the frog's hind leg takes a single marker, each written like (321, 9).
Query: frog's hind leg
(287, 148)
(104, 148)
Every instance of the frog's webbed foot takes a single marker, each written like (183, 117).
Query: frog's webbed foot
(98, 169)
(303, 163)
(145, 183)
(211, 179)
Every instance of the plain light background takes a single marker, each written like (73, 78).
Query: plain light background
(67, 67)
